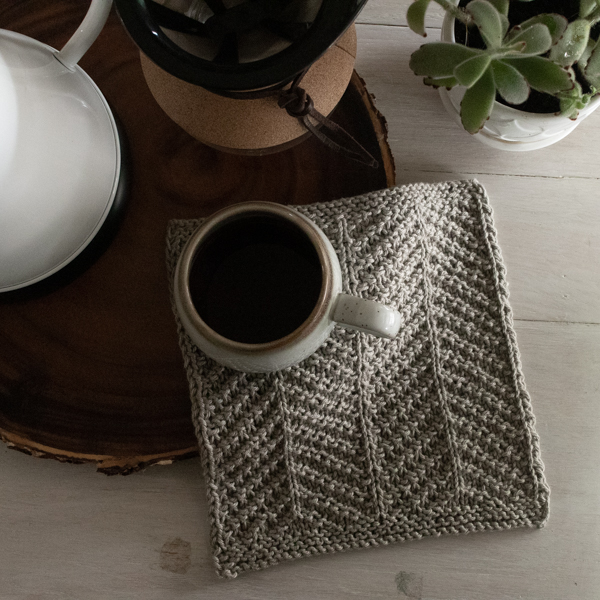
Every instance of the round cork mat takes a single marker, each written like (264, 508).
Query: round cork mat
(92, 371)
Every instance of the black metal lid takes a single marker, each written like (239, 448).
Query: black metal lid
(208, 50)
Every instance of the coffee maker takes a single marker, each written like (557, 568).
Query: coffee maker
(248, 76)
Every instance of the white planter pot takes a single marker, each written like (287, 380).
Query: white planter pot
(509, 128)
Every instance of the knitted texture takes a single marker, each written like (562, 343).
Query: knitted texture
(371, 441)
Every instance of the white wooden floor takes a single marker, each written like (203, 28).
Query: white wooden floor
(69, 533)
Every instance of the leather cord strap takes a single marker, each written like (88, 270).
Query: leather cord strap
(298, 103)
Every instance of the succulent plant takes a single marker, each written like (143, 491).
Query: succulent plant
(540, 53)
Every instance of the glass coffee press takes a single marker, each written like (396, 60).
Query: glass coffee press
(249, 76)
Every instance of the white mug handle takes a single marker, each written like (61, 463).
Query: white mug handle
(86, 33)
(352, 312)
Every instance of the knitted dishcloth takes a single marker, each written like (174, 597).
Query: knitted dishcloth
(371, 441)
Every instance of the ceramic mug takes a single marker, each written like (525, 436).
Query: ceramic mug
(275, 283)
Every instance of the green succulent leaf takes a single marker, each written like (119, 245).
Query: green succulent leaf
(488, 20)
(445, 82)
(542, 74)
(439, 59)
(537, 40)
(505, 25)
(592, 68)
(511, 49)
(569, 108)
(575, 93)
(501, 6)
(573, 101)
(469, 72)
(586, 7)
(556, 24)
(572, 45)
(511, 84)
(478, 102)
(415, 16)
(587, 53)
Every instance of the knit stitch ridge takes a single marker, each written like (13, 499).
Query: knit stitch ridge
(371, 441)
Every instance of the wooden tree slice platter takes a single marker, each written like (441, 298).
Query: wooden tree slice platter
(92, 372)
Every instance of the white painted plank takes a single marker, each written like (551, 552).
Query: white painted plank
(424, 137)
(69, 533)
(393, 12)
(549, 233)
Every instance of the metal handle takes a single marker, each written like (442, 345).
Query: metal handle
(86, 33)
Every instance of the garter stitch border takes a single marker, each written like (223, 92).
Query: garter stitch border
(371, 441)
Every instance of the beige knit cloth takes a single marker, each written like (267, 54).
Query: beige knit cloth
(373, 441)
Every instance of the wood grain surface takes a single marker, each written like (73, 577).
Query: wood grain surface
(67, 533)
(93, 371)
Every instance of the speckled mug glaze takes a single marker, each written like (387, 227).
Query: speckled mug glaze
(332, 306)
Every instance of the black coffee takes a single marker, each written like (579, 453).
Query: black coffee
(256, 278)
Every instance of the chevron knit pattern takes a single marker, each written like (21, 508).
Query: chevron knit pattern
(372, 441)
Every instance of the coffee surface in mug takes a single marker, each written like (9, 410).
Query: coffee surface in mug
(256, 278)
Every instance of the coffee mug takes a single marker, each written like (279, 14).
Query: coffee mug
(258, 288)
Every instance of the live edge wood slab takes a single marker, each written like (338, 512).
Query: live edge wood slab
(92, 371)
